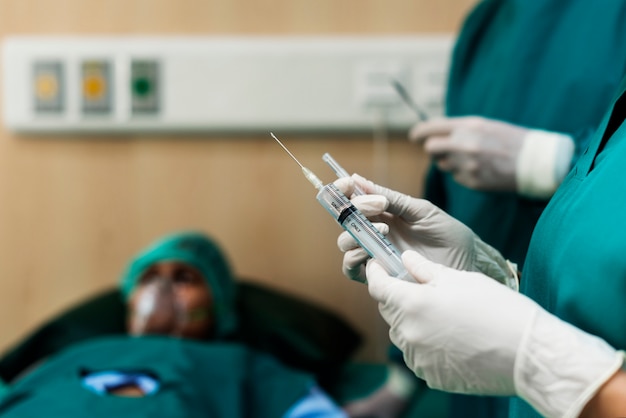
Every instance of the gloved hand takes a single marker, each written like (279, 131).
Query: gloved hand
(462, 332)
(419, 225)
(391, 399)
(491, 155)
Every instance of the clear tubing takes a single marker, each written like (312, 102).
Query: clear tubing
(362, 230)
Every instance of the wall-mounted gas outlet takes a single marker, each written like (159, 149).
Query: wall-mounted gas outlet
(215, 84)
(48, 87)
(144, 87)
(96, 87)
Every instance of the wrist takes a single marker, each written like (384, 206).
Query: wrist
(490, 262)
(610, 400)
(543, 163)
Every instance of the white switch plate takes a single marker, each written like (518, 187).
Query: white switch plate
(232, 84)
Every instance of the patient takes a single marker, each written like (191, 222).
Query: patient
(179, 358)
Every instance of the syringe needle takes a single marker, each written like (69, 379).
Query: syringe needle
(310, 176)
(286, 150)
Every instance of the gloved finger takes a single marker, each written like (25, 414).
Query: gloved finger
(356, 273)
(432, 127)
(346, 242)
(445, 163)
(384, 288)
(400, 204)
(354, 260)
(371, 204)
(438, 145)
(345, 185)
(458, 163)
(467, 172)
(421, 268)
(378, 281)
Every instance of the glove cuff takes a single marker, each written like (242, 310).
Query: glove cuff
(542, 163)
(401, 382)
(490, 262)
(559, 368)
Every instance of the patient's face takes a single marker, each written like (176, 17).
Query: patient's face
(171, 298)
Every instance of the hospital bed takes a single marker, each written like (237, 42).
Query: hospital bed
(299, 333)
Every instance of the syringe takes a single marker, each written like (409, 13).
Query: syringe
(353, 221)
(340, 171)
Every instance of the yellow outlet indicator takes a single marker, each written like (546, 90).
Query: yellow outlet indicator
(97, 86)
(94, 87)
(46, 86)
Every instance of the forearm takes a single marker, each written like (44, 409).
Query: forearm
(610, 400)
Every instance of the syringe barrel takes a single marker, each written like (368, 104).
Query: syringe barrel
(362, 230)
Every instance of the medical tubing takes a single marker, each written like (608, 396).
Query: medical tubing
(362, 230)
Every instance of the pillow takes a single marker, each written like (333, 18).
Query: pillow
(298, 332)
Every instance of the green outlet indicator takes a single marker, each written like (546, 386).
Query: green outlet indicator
(144, 85)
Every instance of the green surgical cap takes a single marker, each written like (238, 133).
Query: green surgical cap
(197, 250)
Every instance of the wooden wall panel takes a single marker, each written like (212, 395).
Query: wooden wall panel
(74, 210)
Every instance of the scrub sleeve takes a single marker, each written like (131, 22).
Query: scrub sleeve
(576, 266)
(544, 64)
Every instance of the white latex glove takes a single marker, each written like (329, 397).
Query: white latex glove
(417, 224)
(491, 155)
(462, 332)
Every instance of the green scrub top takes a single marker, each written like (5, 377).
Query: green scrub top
(196, 379)
(544, 64)
(576, 265)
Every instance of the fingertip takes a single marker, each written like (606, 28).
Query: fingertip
(410, 255)
(434, 126)
(371, 204)
(365, 184)
(415, 134)
(346, 242)
(374, 271)
(345, 185)
(382, 227)
(421, 268)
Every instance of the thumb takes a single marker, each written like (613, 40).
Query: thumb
(381, 285)
(421, 268)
